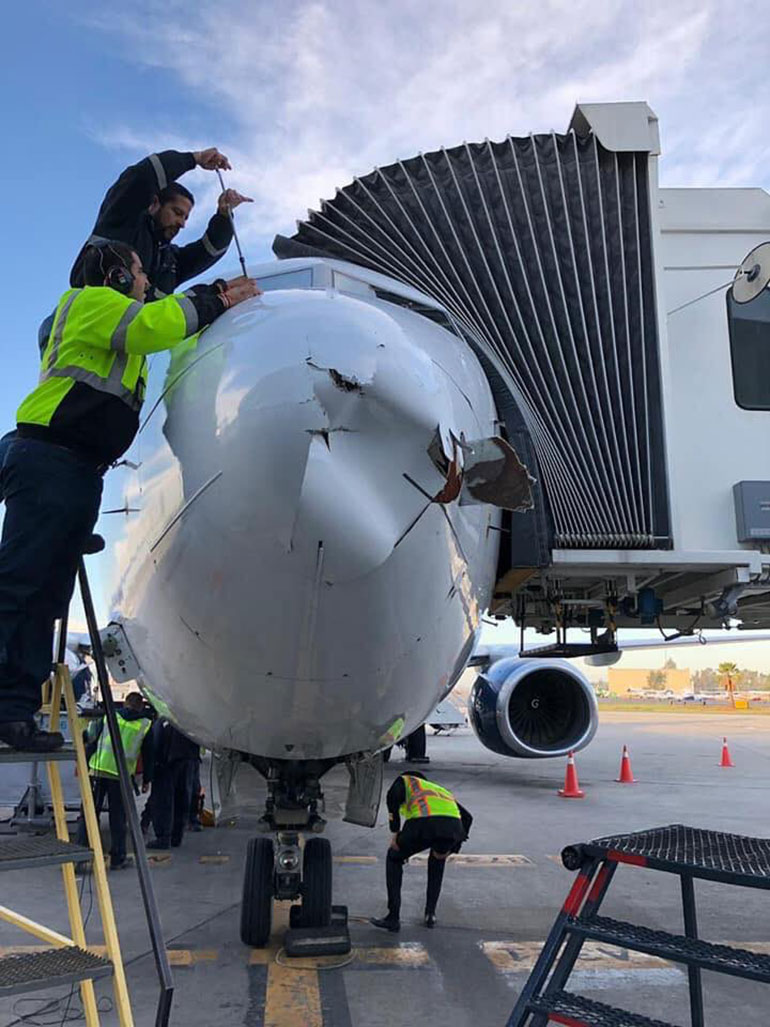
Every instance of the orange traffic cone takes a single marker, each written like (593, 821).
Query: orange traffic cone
(725, 761)
(571, 789)
(626, 774)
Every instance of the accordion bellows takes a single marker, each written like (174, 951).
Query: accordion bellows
(540, 250)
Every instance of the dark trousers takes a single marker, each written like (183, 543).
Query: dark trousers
(51, 505)
(416, 744)
(416, 836)
(171, 797)
(108, 788)
(195, 794)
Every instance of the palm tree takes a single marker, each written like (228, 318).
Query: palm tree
(730, 673)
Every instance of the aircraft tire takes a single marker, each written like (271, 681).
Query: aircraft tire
(317, 883)
(257, 902)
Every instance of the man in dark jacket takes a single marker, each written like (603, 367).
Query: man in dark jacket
(175, 760)
(147, 207)
(434, 820)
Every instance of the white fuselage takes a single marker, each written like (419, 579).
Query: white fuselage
(284, 581)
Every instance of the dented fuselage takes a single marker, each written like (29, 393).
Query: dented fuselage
(285, 577)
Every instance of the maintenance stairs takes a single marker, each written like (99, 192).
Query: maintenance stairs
(67, 960)
(688, 852)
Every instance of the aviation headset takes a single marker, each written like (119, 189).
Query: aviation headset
(117, 277)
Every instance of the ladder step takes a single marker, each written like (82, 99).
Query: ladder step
(675, 947)
(30, 971)
(9, 755)
(576, 1011)
(20, 851)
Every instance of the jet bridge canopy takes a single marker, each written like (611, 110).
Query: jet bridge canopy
(541, 249)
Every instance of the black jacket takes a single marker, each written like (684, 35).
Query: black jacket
(123, 216)
(171, 745)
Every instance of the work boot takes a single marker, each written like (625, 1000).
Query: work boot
(430, 919)
(26, 736)
(158, 843)
(386, 923)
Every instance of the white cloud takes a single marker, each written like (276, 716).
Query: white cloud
(318, 92)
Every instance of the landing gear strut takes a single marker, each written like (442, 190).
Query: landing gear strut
(294, 798)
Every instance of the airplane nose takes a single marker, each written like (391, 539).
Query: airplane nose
(355, 407)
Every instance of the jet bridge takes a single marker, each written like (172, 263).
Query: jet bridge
(550, 254)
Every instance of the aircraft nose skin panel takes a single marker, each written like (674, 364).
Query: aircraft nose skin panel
(312, 601)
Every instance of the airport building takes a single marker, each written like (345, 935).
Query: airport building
(621, 680)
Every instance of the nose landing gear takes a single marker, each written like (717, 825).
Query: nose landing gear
(273, 866)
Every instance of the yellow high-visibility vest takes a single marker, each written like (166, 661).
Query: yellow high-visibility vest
(132, 734)
(426, 799)
(101, 338)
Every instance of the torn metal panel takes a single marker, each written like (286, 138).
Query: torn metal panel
(494, 474)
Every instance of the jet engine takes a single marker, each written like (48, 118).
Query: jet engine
(533, 708)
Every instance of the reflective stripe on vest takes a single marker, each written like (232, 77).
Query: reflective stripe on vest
(113, 383)
(426, 799)
(132, 733)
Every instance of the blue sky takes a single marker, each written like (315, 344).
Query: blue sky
(305, 94)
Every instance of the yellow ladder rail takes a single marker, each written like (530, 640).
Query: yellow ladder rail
(62, 686)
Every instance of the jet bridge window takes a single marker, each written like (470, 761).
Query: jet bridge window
(749, 325)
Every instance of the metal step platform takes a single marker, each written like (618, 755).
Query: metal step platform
(674, 947)
(20, 852)
(677, 849)
(574, 1011)
(30, 971)
(691, 853)
(9, 755)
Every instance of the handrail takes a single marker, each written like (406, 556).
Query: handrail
(152, 914)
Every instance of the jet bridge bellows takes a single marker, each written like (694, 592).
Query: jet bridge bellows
(540, 249)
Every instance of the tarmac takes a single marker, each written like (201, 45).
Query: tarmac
(495, 909)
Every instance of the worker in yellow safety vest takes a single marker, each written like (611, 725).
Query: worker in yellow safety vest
(80, 419)
(134, 725)
(434, 820)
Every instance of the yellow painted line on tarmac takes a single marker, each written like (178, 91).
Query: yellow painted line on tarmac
(520, 956)
(481, 860)
(189, 957)
(214, 860)
(407, 954)
(362, 860)
(293, 998)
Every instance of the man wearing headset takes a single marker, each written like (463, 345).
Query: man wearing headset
(146, 208)
(81, 418)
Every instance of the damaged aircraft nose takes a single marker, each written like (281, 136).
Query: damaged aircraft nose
(354, 499)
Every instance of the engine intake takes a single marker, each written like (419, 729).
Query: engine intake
(533, 709)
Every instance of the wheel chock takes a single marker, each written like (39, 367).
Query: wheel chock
(317, 941)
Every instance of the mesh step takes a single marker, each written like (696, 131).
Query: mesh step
(575, 1011)
(38, 851)
(732, 858)
(30, 971)
(9, 755)
(720, 958)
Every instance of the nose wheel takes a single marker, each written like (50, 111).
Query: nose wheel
(317, 883)
(257, 902)
(265, 880)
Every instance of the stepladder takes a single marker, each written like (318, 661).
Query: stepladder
(63, 959)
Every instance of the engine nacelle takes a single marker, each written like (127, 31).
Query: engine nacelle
(533, 709)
